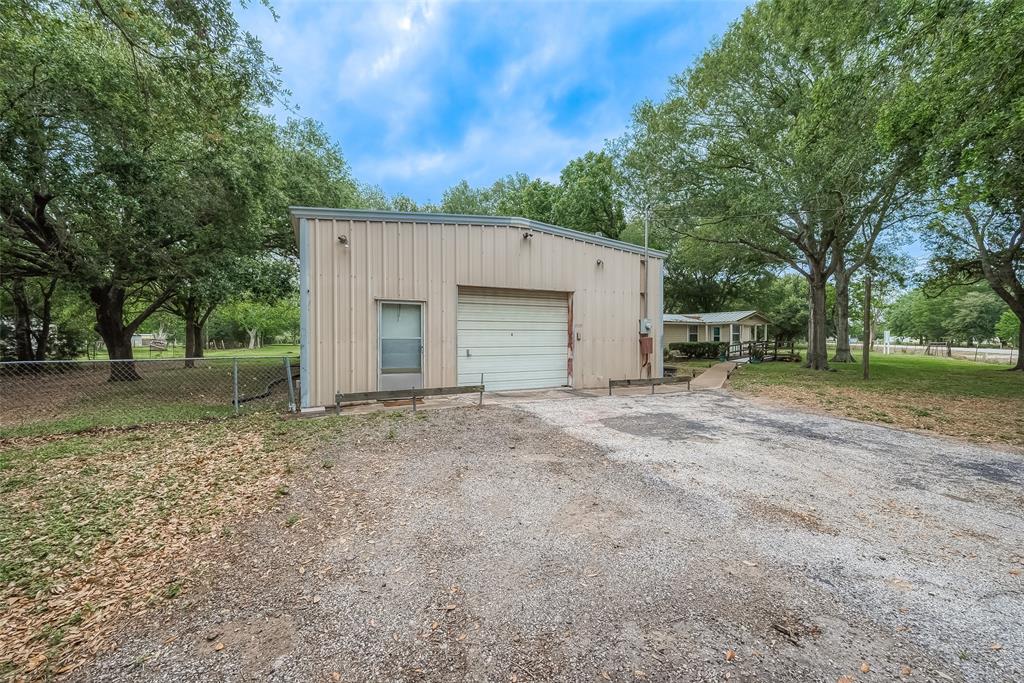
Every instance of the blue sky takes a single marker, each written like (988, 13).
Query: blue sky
(423, 94)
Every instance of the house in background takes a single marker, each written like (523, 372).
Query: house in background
(400, 300)
(722, 326)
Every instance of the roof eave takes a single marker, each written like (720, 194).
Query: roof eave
(297, 212)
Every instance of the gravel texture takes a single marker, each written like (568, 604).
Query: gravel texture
(673, 537)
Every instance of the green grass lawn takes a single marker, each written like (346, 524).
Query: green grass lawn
(978, 401)
(83, 397)
(179, 352)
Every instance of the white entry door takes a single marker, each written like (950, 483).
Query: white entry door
(400, 363)
(518, 340)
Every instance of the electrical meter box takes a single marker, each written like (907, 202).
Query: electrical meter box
(645, 325)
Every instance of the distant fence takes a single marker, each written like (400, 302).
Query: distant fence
(1006, 355)
(85, 393)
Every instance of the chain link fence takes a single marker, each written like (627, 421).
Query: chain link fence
(49, 396)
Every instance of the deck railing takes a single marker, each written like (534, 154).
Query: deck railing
(768, 349)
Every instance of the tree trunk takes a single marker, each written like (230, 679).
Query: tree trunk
(45, 318)
(843, 354)
(193, 331)
(817, 348)
(22, 321)
(865, 351)
(1020, 344)
(109, 303)
(252, 338)
(810, 325)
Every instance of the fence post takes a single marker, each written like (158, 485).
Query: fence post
(234, 383)
(291, 385)
(480, 401)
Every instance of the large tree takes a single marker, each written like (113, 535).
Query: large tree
(770, 138)
(301, 166)
(588, 198)
(525, 197)
(703, 276)
(959, 119)
(128, 136)
(462, 198)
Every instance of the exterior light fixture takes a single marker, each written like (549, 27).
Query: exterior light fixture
(600, 263)
(527, 235)
(343, 240)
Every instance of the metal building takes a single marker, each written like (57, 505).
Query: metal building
(399, 300)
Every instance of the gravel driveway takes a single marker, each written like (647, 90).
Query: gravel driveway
(673, 537)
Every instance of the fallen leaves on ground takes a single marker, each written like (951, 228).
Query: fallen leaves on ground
(973, 418)
(106, 525)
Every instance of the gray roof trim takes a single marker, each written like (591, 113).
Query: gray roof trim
(509, 221)
(717, 317)
(679, 318)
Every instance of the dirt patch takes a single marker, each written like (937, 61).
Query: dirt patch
(807, 519)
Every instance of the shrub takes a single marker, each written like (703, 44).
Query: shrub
(697, 349)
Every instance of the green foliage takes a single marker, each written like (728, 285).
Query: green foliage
(958, 121)
(705, 276)
(131, 147)
(768, 143)
(264, 319)
(310, 171)
(697, 349)
(519, 195)
(588, 199)
(463, 199)
(975, 315)
(1008, 328)
(958, 314)
(784, 301)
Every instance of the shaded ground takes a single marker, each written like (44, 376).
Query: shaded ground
(674, 537)
(98, 525)
(67, 396)
(978, 402)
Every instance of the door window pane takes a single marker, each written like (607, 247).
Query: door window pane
(400, 321)
(735, 333)
(693, 333)
(399, 356)
(716, 333)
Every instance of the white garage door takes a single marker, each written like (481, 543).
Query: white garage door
(517, 340)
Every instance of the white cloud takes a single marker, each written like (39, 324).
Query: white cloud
(385, 44)
(423, 93)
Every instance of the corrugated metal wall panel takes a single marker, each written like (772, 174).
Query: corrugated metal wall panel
(428, 262)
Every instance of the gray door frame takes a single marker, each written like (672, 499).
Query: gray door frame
(405, 380)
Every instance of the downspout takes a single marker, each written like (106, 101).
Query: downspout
(304, 313)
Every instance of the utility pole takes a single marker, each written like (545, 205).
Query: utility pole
(647, 279)
(866, 344)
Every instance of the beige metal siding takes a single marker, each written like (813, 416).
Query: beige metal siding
(427, 262)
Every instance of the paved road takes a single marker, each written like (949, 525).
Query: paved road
(685, 536)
